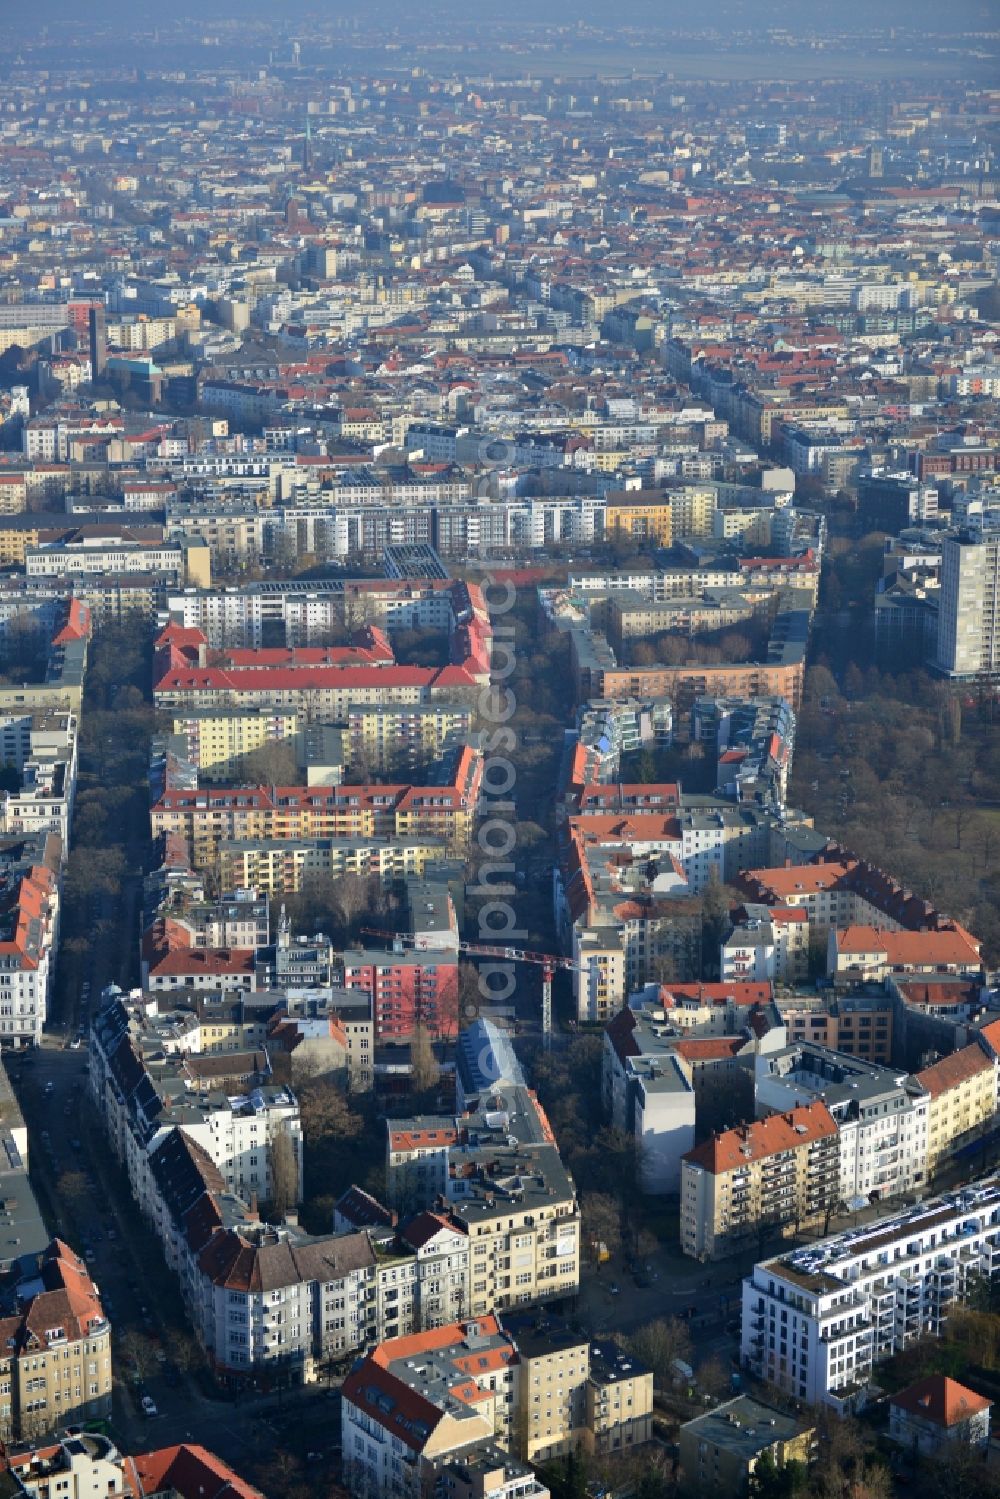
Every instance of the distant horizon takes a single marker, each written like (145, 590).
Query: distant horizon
(809, 15)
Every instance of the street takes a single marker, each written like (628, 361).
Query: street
(85, 1200)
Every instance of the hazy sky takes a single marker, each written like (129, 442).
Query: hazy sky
(738, 14)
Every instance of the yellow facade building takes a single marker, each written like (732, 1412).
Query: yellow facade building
(963, 1099)
(219, 739)
(640, 519)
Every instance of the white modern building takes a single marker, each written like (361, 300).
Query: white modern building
(969, 610)
(817, 1322)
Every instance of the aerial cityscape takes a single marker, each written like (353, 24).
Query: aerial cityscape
(500, 781)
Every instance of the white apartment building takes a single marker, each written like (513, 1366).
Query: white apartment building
(42, 746)
(881, 1115)
(767, 945)
(969, 607)
(817, 1322)
(237, 1132)
(29, 927)
(61, 561)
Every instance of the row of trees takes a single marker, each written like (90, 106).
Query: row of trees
(746, 642)
(901, 771)
(111, 815)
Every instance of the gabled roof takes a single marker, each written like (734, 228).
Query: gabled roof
(941, 1400)
(954, 1070)
(192, 1472)
(765, 1137)
(423, 1227)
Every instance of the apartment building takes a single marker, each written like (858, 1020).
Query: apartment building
(720, 1450)
(891, 502)
(169, 559)
(326, 1033)
(937, 1416)
(817, 1322)
(55, 1364)
(419, 1411)
(627, 875)
(607, 730)
(766, 943)
(524, 1238)
(82, 1464)
(881, 1114)
(681, 1050)
(640, 517)
(225, 1102)
(393, 736)
(424, 1410)
(496, 1174)
(752, 741)
(550, 1395)
(407, 989)
(241, 916)
(869, 954)
(619, 1401)
(962, 1089)
(43, 803)
(208, 816)
(776, 1175)
(29, 924)
(859, 1025)
(277, 1299)
(308, 611)
(283, 866)
(840, 891)
(631, 617)
(574, 1394)
(968, 641)
(218, 740)
(276, 1302)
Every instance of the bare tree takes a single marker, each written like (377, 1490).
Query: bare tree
(713, 1377)
(646, 1243)
(470, 999)
(423, 1062)
(284, 1173)
(136, 1353)
(274, 764)
(659, 1343)
(184, 1350)
(602, 1221)
(326, 1113)
(351, 896)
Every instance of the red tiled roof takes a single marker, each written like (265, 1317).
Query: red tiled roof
(765, 1137)
(912, 949)
(954, 1069)
(709, 1048)
(192, 1471)
(941, 1400)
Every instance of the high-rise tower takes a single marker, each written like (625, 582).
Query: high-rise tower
(98, 343)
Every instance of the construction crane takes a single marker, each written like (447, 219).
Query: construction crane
(548, 962)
